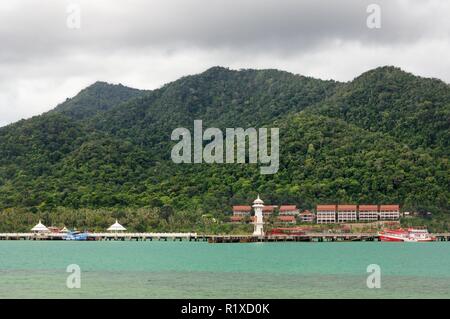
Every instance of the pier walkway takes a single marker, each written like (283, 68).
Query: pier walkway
(104, 236)
(308, 237)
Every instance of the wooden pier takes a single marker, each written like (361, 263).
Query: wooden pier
(308, 237)
(107, 236)
(442, 236)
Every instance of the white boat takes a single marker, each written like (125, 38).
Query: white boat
(408, 235)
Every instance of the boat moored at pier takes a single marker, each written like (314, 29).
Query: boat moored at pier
(406, 235)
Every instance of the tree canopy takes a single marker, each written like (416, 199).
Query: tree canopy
(381, 138)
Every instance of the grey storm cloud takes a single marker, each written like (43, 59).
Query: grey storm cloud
(34, 28)
(147, 43)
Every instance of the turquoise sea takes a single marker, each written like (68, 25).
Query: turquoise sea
(37, 269)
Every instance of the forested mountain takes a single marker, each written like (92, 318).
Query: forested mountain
(220, 97)
(414, 110)
(380, 138)
(97, 98)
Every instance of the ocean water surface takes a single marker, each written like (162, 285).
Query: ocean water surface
(37, 269)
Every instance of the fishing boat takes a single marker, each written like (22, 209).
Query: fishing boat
(406, 235)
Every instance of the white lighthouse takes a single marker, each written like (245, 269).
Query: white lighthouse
(258, 205)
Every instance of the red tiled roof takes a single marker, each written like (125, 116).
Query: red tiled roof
(368, 208)
(346, 207)
(286, 208)
(389, 207)
(306, 212)
(286, 218)
(236, 218)
(326, 207)
(268, 208)
(242, 208)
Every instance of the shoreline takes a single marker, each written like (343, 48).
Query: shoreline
(307, 237)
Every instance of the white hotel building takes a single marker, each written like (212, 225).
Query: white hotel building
(325, 214)
(368, 213)
(347, 213)
(389, 212)
(328, 214)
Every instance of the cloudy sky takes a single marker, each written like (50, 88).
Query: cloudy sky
(45, 58)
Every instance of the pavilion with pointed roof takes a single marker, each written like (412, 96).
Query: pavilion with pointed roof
(116, 227)
(39, 228)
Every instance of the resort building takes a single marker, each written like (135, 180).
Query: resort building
(368, 213)
(267, 211)
(236, 219)
(389, 212)
(288, 219)
(307, 217)
(288, 210)
(325, 214)
(347, 213)
(53, 229)
(242, 210)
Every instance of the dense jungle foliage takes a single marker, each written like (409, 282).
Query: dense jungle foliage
(105, 154)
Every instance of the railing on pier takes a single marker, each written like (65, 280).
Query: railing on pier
(99, 236)
(143, 235)
(210, 238)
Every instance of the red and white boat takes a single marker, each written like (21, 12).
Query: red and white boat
(409, 235)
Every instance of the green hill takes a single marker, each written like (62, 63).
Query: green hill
(414, 110)
(381, 138)
(97, 98)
